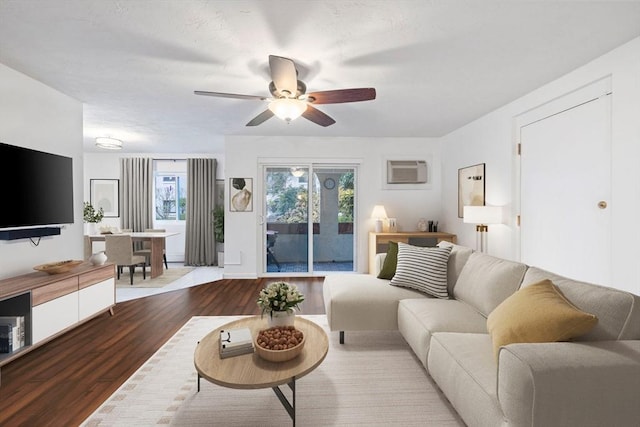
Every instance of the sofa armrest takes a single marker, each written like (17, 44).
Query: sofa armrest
(570, 383)
(379, 263)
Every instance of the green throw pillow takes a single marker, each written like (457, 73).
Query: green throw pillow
(390, 262)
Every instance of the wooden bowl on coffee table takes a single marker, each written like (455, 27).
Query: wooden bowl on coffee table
(279, 355)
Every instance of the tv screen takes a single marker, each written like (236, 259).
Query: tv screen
(38, 188)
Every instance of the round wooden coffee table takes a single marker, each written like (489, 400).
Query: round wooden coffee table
(249, 371)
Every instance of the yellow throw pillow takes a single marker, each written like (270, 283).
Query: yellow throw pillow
(537, 313)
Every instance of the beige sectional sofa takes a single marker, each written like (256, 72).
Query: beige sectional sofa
(593, 380)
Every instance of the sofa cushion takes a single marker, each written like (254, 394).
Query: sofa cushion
(464, 368)
(362, 302)
(618, 311)
(390, 263)
(422, 269)
(457, 259)
(537, 313)
(485, 281)
(418, 319)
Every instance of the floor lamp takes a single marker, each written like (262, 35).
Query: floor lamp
(482, 216)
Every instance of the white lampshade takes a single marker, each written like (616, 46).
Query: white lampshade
(287, 108)
(109, 143)
(379, 212)
(482, 214)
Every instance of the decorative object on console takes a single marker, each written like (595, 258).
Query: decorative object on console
(482, 216)
(279, 300)
(422, 224)
(393, 225)
(379, 214)
(471, 185)
(99, 258)
(58, 267)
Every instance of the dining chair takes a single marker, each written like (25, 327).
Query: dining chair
(119, 250)
(146, 247)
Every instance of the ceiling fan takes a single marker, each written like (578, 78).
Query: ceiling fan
(289, 98)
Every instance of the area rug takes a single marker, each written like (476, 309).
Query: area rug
(373, 379)
(169, 275)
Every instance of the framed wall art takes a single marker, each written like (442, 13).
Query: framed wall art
(105, 194)
(241, 194)
(470, 187)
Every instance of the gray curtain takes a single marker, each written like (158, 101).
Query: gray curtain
(136, 193)
(200, 246)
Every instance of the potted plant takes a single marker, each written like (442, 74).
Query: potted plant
(280, 299)
(218, 232)
(92, 217)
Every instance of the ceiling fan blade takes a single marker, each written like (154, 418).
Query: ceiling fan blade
(317, 116)
(342, 95)
(262, 117)
(283, 75)
(230, 95)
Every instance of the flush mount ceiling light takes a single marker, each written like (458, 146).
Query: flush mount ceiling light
(288, 109)
(108, 143)
(297, 172)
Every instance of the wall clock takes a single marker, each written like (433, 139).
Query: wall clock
(329, 184)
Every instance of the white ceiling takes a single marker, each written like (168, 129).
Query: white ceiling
(436, 65)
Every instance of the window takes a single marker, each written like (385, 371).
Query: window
(170, 189)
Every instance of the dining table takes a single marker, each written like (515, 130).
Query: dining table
(157, 240)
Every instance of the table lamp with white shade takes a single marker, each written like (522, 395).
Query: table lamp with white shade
(482, 216)
(379, 214)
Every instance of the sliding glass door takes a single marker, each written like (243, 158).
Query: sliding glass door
(308, 219)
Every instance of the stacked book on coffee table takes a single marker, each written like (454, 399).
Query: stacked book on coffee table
(234, 342)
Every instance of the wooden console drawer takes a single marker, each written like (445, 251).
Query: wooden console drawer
(96, 276)
(54, 290)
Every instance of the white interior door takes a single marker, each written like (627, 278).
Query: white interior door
(565, 178)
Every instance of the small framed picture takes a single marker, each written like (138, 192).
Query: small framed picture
(105, 194)
(241, 194)
(470, 187)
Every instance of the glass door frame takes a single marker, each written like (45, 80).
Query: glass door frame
(262, 214)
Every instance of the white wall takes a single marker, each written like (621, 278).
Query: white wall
(243, 156)
(36, 116)
(107, 166)
(490, 140)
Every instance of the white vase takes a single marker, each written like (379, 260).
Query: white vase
(91, 228)
(99, 258)
(281, 318)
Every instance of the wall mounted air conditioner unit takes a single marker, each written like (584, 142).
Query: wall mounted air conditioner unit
(406, 171)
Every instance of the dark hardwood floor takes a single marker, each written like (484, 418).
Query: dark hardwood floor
(65, 380)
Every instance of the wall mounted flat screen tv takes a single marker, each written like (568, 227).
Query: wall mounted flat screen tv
(37, 188)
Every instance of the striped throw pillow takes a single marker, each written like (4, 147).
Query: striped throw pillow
(422, 269)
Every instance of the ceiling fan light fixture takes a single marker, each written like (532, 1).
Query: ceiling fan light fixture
(287, 109)
(108, 143)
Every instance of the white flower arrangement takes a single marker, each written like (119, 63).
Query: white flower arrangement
(279, 296)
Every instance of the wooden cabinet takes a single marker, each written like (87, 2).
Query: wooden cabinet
(378, 242)
(53, 304)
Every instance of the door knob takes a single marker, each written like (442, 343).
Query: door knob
(602, 204)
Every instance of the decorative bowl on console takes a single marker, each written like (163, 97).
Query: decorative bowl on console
(58, 267)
